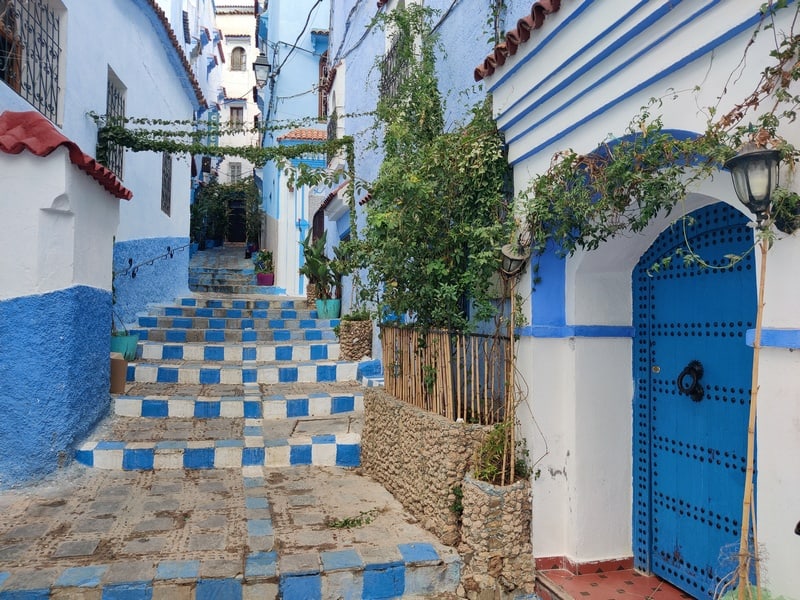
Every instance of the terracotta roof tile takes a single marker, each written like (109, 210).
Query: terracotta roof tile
(305, 133)
(516, 37)
(31, 131)
(334, 192)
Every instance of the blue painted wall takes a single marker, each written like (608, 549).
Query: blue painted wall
(54, 378)
(163, 281)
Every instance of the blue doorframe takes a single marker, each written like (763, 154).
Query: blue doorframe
(690, 446)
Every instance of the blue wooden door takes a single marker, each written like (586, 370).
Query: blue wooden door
(692, 371)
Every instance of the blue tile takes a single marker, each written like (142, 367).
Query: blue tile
(252, 456)
(214, 303)
(312, 335)
(288, 314)
(188, 302)
(167, 375)
(173, 311)
(249, 375)
(301, 455)
(239, 304)
(201, 458)
(217, 323)
(319, 351)
(233, 313)
(287, 374)
(323, 439)
(276, 324)
(340, 404)
(253, 430)
(182, 322)
(260, 314)
(307, 587)
(261, 564)
(287, 303)
(138, 459)
(281, 335)
(348, 455)
(308, 324)
(215, 335)
(418, 552)
(81, 576)
(205, 312)
(384, 582)
(334, 322)
(326, 372)
(178, 569)
(155, 408)
(341, 560)
(142, 333)
(252, 409)
(25, 594)
(175, 336)
(206, 410)
(85, 457)
(130, 373)
(249, 335)
(170, 352)
(138, 590)
(218, 589)
(170, 445)
(248, 353)
(209, 376)
(214, 353)
(297, 407)
(247, 324)
(148, 321)
(283, 352)
(259, 527)
(229, 444)
(256, 503)
(107, 445)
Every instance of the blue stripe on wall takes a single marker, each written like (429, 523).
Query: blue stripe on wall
(54, 377)
(775, 338)
(163, 281)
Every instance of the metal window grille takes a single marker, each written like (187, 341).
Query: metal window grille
(115, 115)
(393, 71)
(30, 50)
(333, 124)
(166, 183)
(235, 171)
(238, 59)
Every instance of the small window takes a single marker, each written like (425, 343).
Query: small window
(166, 183)
(237, 117)
(115, 115)
(322, 88)
(238, 59)
(235, 171)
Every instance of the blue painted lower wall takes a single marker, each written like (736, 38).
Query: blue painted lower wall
(54, 378)
(162, 281)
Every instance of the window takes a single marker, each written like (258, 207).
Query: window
(394, 69)
(115, 114)
(237, 117)
(235, 171)
(238, 59)
(30, 51)
(166, 183)
(322, 89)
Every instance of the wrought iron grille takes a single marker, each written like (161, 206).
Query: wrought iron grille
(333, 124)
(166, 183)
(115, 113)
(30, 50)
(393, 71)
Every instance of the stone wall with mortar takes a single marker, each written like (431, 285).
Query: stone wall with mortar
(419, 457)
(496, 539)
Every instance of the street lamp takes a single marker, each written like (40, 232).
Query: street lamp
(755, 176)
(513, 260)
(262, 69)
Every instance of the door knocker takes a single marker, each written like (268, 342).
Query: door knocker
(689, 381)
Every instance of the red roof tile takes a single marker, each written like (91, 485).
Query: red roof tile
(305, 133)
(31, 131)
(516, 37)
(334, 192)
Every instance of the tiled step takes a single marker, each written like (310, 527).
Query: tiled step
(289, 406)
(237, 289)
(218, 336)
(275, 301)
(273, 352)
(232, 313)
(234, 323)
(341, 450)
(199, 373)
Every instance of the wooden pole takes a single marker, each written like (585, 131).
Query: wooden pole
(747, 500)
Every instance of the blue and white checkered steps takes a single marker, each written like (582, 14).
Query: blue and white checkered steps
(235, 323)
(305, 351)
(288, 406)
(340, 450)
(201, 373)
(179, 336)
(273, 302)
(233, 313)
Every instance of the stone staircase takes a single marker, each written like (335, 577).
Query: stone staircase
(237, 400)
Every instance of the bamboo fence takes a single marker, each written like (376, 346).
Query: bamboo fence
(455, 375)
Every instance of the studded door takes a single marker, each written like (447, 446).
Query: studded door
(692, 369)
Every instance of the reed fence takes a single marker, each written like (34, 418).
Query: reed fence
(455, 375)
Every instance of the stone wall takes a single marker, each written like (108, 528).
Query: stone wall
(419, 457)
(496, 539)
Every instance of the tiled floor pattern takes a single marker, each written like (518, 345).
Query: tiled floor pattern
(615, 585)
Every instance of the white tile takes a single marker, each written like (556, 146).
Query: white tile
(333, 351)
(168, 458)
(267, 375)
(252, 471)
(230, 376)
(277, 456)
(274, 409)
(232, 353)
(146, 373)
(301, 353)
(319, 406)
(346, 371)
(265, 353)
(233, 409)
(128, 408)
(108, 459)
(306, 373)
(229, 457)
(323, 455)
(181, 408)
(358, 403)
(189, 375)
(193, 352)
(348, 438)
(152, 351)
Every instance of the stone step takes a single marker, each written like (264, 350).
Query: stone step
(218, 336)
(262, 353)
(274, 301)
(233, 323)
(250, 372)
(276, 406)
(266, 290)
(232, 313)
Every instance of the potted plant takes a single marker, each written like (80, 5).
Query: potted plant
(323, 275)
(122, 340)
(264, 267)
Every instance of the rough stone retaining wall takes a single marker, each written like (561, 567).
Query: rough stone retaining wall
(419, 457)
